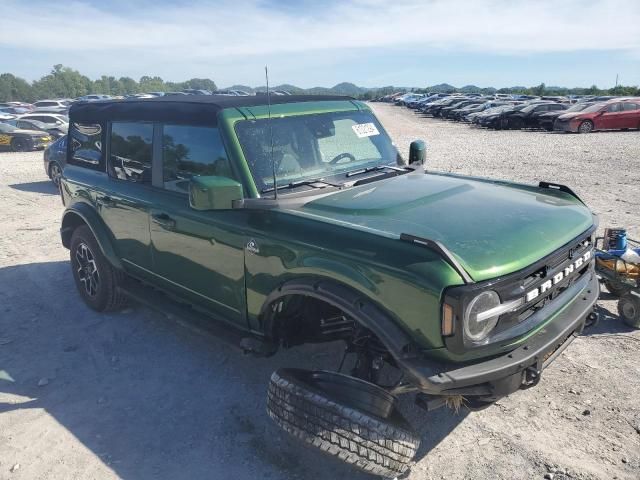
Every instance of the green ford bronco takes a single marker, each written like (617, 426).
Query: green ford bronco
(298, 222)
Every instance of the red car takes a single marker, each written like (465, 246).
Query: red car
(615, 114)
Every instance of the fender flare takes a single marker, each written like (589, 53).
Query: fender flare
(354, 303)
(83, 214)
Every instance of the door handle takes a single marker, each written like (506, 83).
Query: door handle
(105, 201)
(164, 220)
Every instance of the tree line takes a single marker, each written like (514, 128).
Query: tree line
(65, 82)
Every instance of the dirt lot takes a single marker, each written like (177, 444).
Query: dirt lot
(134, 396)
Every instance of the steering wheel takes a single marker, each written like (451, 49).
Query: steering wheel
(341, 156)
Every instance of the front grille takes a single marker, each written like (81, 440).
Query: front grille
(536, 304)
(555, 265)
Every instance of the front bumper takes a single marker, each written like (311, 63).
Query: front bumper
(521, 368)
(565, 126)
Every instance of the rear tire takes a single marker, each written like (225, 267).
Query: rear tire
(614, 290)
(95, 277)
(586, 127)
(629, 310)
(373, 444)
(55, 172)
(21, 145)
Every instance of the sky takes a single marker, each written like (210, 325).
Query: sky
(308, 43)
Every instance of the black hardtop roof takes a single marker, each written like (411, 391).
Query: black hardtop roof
(193, 109)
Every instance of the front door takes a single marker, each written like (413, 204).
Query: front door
(610, 118)
(197, 254)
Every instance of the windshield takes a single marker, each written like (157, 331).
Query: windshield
(319, 146)
(594, 108)
(578, 107)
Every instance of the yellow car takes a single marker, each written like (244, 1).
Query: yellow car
(19, 140)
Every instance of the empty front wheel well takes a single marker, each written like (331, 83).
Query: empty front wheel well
(70, 222)
(311, 310)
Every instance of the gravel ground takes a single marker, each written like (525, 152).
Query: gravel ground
(131, 395)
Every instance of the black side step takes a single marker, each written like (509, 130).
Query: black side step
(193, 319)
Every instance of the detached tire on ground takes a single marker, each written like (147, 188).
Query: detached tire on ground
(343, 416)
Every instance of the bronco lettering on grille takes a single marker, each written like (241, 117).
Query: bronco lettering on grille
(563, 274)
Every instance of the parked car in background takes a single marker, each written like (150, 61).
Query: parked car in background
(468, 113)
(447, 112)
(55, 158)
(232, 93)
(546, 119)
(93, 97)
(494, 118)
(56, 131)
(195, 91)
(19, 140)
(611, 115)
(527, 117)
(52, 119)
(14, 110)
(52, 106)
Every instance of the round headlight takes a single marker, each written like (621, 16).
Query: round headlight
(478, 321)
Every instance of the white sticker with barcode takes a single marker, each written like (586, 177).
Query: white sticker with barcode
(365, 130)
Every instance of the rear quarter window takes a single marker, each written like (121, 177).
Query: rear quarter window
(86, 145)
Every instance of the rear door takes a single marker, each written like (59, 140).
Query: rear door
(197, 254)
(630, 115)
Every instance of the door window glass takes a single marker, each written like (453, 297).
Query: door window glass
(189, 151)
(131, 151)
(614, 107)
(630, 106)
(86, 145)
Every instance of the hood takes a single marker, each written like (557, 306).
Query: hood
(492, 228)
(567, 116)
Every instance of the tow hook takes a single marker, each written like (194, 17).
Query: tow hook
(530, 377)
(592, 320)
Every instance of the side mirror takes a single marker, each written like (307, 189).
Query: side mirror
(214, 193)
(418, 152)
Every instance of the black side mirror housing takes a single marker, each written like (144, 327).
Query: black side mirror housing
(418, 152)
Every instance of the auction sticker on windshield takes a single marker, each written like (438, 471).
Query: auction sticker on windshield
(365, 130)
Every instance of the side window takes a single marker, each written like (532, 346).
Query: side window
(614, 107)
(86, 145)
(189, 151)
(556, 107)
(131, 150)
(630, 106)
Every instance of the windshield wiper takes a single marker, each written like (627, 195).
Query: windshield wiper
(302, 183)
(375, 169)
